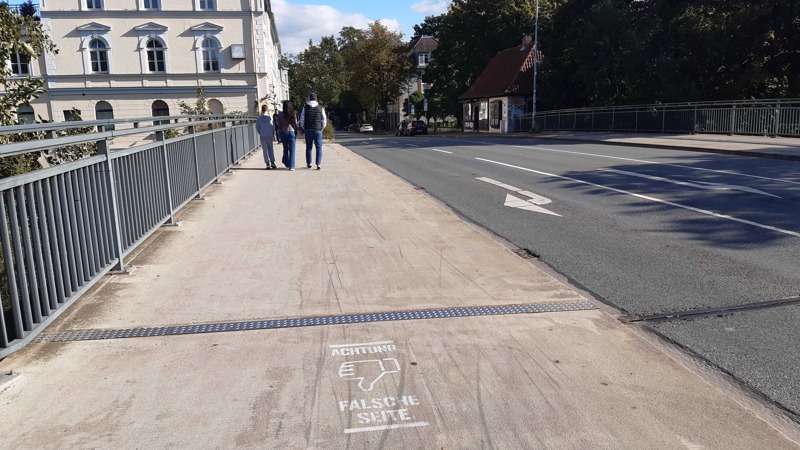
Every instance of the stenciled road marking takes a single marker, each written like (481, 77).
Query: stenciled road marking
(650, 198)
(515, 202)
(644, 161)
(386, 408)
(698, 185)
(442, 151)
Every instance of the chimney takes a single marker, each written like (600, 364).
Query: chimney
(526, 41)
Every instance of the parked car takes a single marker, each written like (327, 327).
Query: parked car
(365, 127)
(352, 127)
(417, 127)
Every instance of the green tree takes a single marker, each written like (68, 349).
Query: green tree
(376, 58)
(319, 68)
(429, 27)
(23, 38)
(417, 99)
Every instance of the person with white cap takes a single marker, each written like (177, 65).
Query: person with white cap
(313, 120)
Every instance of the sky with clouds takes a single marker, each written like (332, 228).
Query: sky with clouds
(301, 20)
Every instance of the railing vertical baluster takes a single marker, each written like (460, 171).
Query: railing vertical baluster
(111, 190)
(88, 236)
(19, 260)
(165, 167)
(733, 120)
(196, 162)
(30, 265)
(36, 270)
(777, 120)
(9, 257)
(214, 152)
(56, 243)
(71, 251)
(43, 218)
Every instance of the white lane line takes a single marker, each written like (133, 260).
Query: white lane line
(443, 151)
(644, 161)
(361, 345)
(698, 185)
(652, 199)
(385, 427)
(413, 145)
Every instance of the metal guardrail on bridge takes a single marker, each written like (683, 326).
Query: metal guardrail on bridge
(64, 227)
(745, 117)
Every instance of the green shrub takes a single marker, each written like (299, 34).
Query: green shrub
(329, 132)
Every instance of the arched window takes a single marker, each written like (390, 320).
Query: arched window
(104, 111)
(160, 109)
(98, 55)
(25, 114)
(210, 55)
(155, 56)
(215, 106)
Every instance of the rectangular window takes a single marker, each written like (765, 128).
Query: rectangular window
(94, 4)
(423, 58)
(20, 64)
(151, 4)
(207, 5)
(155, 61)
(99, 61)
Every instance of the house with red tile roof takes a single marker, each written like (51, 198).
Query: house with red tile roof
(502, 94)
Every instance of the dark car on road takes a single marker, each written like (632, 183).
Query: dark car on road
(417, 127)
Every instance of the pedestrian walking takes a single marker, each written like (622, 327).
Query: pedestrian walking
(313, 121)
(288, 128)
(266, 131)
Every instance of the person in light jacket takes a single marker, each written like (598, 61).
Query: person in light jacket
(266, 131)
(287, 129)
(313, 120)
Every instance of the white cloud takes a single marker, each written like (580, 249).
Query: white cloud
(431, 7)
(299, 23)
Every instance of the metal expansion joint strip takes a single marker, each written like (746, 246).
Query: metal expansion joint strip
(221, 327)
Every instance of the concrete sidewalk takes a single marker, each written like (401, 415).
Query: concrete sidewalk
(367, 316)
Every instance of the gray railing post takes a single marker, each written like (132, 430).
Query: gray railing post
(103, 149)
(777, 128)
(733, 120)
(636, 120)
(165, 160)
(214, 152)
(694, 124)
(593, 110)
(575, 120)
(663, 119)
(613, 117)
(196, 162)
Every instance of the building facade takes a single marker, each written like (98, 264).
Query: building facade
(141, 58)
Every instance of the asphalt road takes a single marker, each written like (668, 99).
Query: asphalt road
(648, 231)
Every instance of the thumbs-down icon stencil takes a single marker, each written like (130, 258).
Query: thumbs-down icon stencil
(368, 371)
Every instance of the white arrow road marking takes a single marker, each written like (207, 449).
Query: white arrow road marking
(515, 202)
(698, 185)
(652, 199)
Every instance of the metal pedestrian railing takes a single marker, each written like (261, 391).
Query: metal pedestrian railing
(745, 117)
(64, 227)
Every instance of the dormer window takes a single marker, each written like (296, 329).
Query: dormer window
(423, 58)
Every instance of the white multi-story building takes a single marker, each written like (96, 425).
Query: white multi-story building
(137, 58)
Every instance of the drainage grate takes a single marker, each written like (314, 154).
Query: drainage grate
(221, 327)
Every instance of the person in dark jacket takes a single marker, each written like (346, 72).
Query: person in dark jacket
(287, 129)
(313, 121)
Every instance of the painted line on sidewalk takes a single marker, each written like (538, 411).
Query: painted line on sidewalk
(346, 319)
(650, 198)
(361, 345)
(386, 427)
